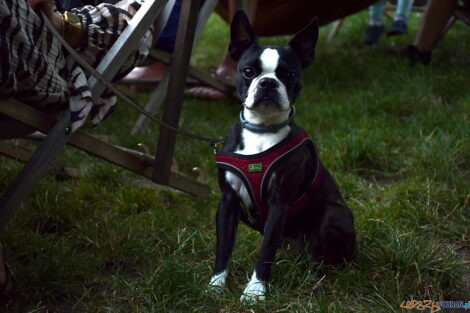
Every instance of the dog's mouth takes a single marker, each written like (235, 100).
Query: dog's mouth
(267, 101)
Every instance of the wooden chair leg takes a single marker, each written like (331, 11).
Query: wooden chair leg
(159, 94)
(176, 85)
(206, 10)
(125, 44)
(156, 99)
(335, 29)
(36, 167)
(14, 151)
(448, 25)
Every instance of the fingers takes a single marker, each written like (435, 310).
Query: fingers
(34, 3)
(44, 5)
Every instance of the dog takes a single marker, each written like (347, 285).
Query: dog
(269, 173)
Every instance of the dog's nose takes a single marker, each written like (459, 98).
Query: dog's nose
(268, 83)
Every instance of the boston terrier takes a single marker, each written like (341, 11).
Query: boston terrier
(270, 175)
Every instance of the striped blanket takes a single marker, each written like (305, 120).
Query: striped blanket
(36, 70)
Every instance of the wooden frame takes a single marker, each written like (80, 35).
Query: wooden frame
(58, 129)
(158, 95)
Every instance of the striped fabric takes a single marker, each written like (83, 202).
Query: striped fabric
(36, 70)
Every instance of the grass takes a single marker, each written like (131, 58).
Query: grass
(396, 138)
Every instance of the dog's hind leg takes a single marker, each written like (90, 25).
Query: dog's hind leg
(337, 237)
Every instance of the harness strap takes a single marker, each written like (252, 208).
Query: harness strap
(255, 170)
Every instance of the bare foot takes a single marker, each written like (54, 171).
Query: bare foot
(225, 72)
(149, 75)
(206, 93)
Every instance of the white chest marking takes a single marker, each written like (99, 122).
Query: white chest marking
(253, 143)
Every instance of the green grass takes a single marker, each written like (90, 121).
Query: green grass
(395, 137)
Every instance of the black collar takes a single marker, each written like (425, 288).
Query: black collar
(256, 128)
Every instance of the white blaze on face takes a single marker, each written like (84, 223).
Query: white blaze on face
(269, 59)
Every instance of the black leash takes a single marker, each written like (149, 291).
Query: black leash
(214, 142)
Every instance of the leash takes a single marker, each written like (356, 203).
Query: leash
(215, 143)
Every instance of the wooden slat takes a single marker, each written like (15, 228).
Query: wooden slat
(463, 14)
(17, 152)
(159, 94)
(335, 29)
(133, 161)
(157, 97)
(162, 19)
(175, 93)
(36, 167)
(200, 75)
(206, 10)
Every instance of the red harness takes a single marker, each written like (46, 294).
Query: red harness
(255, 170)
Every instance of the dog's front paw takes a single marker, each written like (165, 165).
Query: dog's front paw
(255, 291)
(217, 282)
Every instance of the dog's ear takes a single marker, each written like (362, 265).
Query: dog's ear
(242, 35)
(304, 43)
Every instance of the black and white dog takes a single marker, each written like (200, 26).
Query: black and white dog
(270, 176)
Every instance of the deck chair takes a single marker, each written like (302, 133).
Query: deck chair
(159, 93)
(24, 118)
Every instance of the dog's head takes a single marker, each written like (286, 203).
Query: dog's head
(268, 78)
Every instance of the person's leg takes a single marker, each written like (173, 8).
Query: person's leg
(281, 17)
(435, 18)
(376, 12)
(400, 20)
(375, 28)
(403, 9)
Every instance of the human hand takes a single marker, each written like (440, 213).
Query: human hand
(44, 5)
(48, 8)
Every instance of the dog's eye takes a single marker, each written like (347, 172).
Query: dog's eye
(248, 72)
(291, 76)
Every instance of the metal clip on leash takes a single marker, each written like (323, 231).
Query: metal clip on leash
(215, 142)
(216, 146)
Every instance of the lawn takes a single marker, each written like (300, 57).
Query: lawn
(395, 137)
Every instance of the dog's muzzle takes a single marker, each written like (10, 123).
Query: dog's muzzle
(267, 93)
